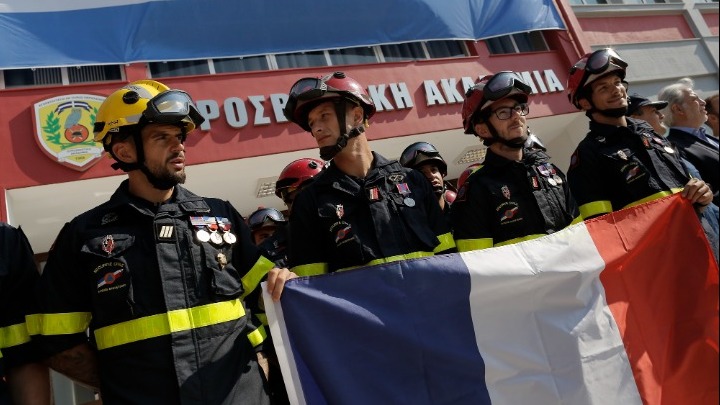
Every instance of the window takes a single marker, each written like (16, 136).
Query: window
(446, 49)
(353, 56)
(85, 74)
(11, 78)
(532, 41)
(304, 59)
(244, 64)
(403, 52)
(179, 68)
(335, 57)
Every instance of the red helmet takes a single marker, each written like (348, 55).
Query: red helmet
(466, 173)
(489, 89)
(296, 174)
(307, 92)
(420, 153)
(591, 67)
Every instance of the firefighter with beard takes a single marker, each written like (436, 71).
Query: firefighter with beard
(621, 162)
(362, 209)
(426, 159)
(517, 194)
(157, 273)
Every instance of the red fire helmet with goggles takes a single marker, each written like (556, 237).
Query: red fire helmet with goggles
(591, 67)
(297, 174)
(308, 92)
(420, 153)
(489, 89)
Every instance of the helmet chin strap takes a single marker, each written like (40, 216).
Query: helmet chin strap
(329, 152)
(160, 184)
(610, 112)
(516, 143)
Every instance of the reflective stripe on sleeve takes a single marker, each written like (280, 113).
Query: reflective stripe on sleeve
(413, 255)
(13, 335)
(466, 245)
(313, 269)
(520, 239)
(164, 324)
(446, 242)
(58, 324)
(257, 336)
(251, 280)
(655, 196)
(594, 208)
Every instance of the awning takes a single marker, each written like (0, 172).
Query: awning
(97, 32)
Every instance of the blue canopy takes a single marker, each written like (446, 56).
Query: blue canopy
(87, 32)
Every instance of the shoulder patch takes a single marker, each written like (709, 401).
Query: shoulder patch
(574, 160)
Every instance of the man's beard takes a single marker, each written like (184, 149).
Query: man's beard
(167, 178)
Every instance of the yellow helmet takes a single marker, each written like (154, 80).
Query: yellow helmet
(144, 102)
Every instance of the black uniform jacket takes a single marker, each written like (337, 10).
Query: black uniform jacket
(505, 202)
(18, 276)
(618, 167)
(164, 307)
(339, 222)
(702, 155)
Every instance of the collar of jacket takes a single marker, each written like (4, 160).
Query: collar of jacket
(182, 201)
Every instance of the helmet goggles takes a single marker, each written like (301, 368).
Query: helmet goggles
(263, 217)
(308, 88)
(501, 84)
(172, 107)
(599, 61)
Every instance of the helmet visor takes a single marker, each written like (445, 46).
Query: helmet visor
(599, 61)
(172, 107)
(265, 217)
(502, 84)
(421, 147)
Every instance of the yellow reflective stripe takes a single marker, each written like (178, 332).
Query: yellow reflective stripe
(655, 196)
(577, 220)
(413, 255)
(14, 335)
(312, 269)
(257, 336)
(520, 239)
(262, 318)
(58, 324)
(252, 279)
(466, 245)
(0, 354)
(164, 324)
(446, 242)
(594, 208)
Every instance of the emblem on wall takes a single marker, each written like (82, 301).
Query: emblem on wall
(63, 129)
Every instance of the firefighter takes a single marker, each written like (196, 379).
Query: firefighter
(157, 273)
(517, 193)
(363, 209)
(424, 157)
(23, 377)
(296, 175)
(621, 162)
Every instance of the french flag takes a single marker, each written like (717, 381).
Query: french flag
(621, 309)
